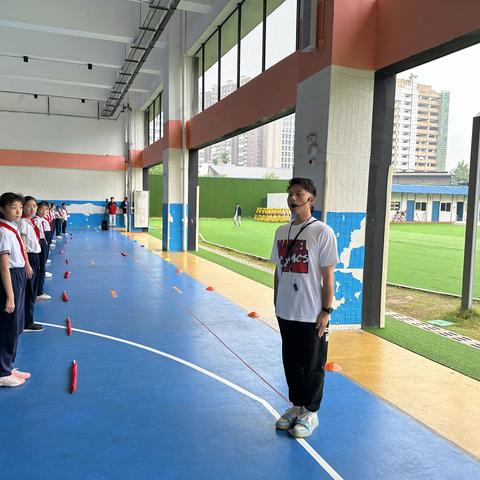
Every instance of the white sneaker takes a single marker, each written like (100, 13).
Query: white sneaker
(59, 236)
(305, 424)
(44, 296)
(11, 381)
(48, 275)
(48, 262)
(287, 420)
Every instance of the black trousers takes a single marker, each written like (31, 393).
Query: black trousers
(31, 287)
(49, 236)
(42, 260)
(11, 324)
(304, 357)
(58, 226)
(64, 226)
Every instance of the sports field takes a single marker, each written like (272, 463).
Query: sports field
(426, 256)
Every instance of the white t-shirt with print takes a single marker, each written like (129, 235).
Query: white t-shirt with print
(299, 294)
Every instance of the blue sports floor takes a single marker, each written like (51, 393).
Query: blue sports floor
(169, 387)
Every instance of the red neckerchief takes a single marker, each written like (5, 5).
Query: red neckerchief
(35, 227)
(15, 231)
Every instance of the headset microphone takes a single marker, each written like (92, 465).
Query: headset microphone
(294, 205)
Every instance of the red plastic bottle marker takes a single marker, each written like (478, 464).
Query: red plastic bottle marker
(210, 289)
(66, 274)
(69, 327)
(253, 315)
(64, 296)
(74, 376)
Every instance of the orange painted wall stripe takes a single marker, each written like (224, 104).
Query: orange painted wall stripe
(173, 134)
(153, 154)
(409, 27)
(354, 34)
(27, 158)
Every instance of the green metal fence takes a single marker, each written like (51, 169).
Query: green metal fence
(219, 195)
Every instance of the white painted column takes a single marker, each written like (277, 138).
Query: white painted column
(332, 147)
(176, 96)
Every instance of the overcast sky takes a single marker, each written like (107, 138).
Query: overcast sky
(459, 73)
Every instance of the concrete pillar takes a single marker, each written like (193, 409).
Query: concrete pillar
(332, 147)
(177, 102)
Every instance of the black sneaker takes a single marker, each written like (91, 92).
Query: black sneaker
(33, 327)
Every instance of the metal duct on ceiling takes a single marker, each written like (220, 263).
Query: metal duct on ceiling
(158, 16)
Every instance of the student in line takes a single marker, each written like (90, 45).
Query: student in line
(14, 270)
(30, 234)
(42, 225)
(58, 222)
(64, 218)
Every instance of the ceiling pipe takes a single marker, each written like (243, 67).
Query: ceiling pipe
(152, 27)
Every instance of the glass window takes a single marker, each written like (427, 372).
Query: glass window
(422, 206)
(211, 70)
(150, 124)
(199, 56)
(158, 110)
(445, 207)
(252, 39)
(281, 30)
(229, 56)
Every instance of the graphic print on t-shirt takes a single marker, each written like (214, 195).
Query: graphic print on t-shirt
(297, 260)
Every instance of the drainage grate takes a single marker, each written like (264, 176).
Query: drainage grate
(471, 342)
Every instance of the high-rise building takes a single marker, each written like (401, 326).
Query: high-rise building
(420, 127)
(271, 145)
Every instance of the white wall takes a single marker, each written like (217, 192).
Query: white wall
(66, 183)
(22, 131)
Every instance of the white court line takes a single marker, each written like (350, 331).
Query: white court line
(310, 450)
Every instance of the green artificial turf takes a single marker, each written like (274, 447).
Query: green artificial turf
(428, 256)
(155, 227)
(252, 237)
(462, 358)
(257, 275)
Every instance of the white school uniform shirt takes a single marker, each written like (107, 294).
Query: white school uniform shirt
(65, 213)
(46, 224)
(39, 223)
(9, 244)
(26, 229)
(299, 293)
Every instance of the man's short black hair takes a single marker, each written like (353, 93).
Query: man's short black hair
(306, 183)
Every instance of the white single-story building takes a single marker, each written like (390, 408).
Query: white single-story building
(429, 203)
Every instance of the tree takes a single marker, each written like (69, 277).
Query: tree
(224, 158)
(156, 170)
(460, 173)
(271, 176)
